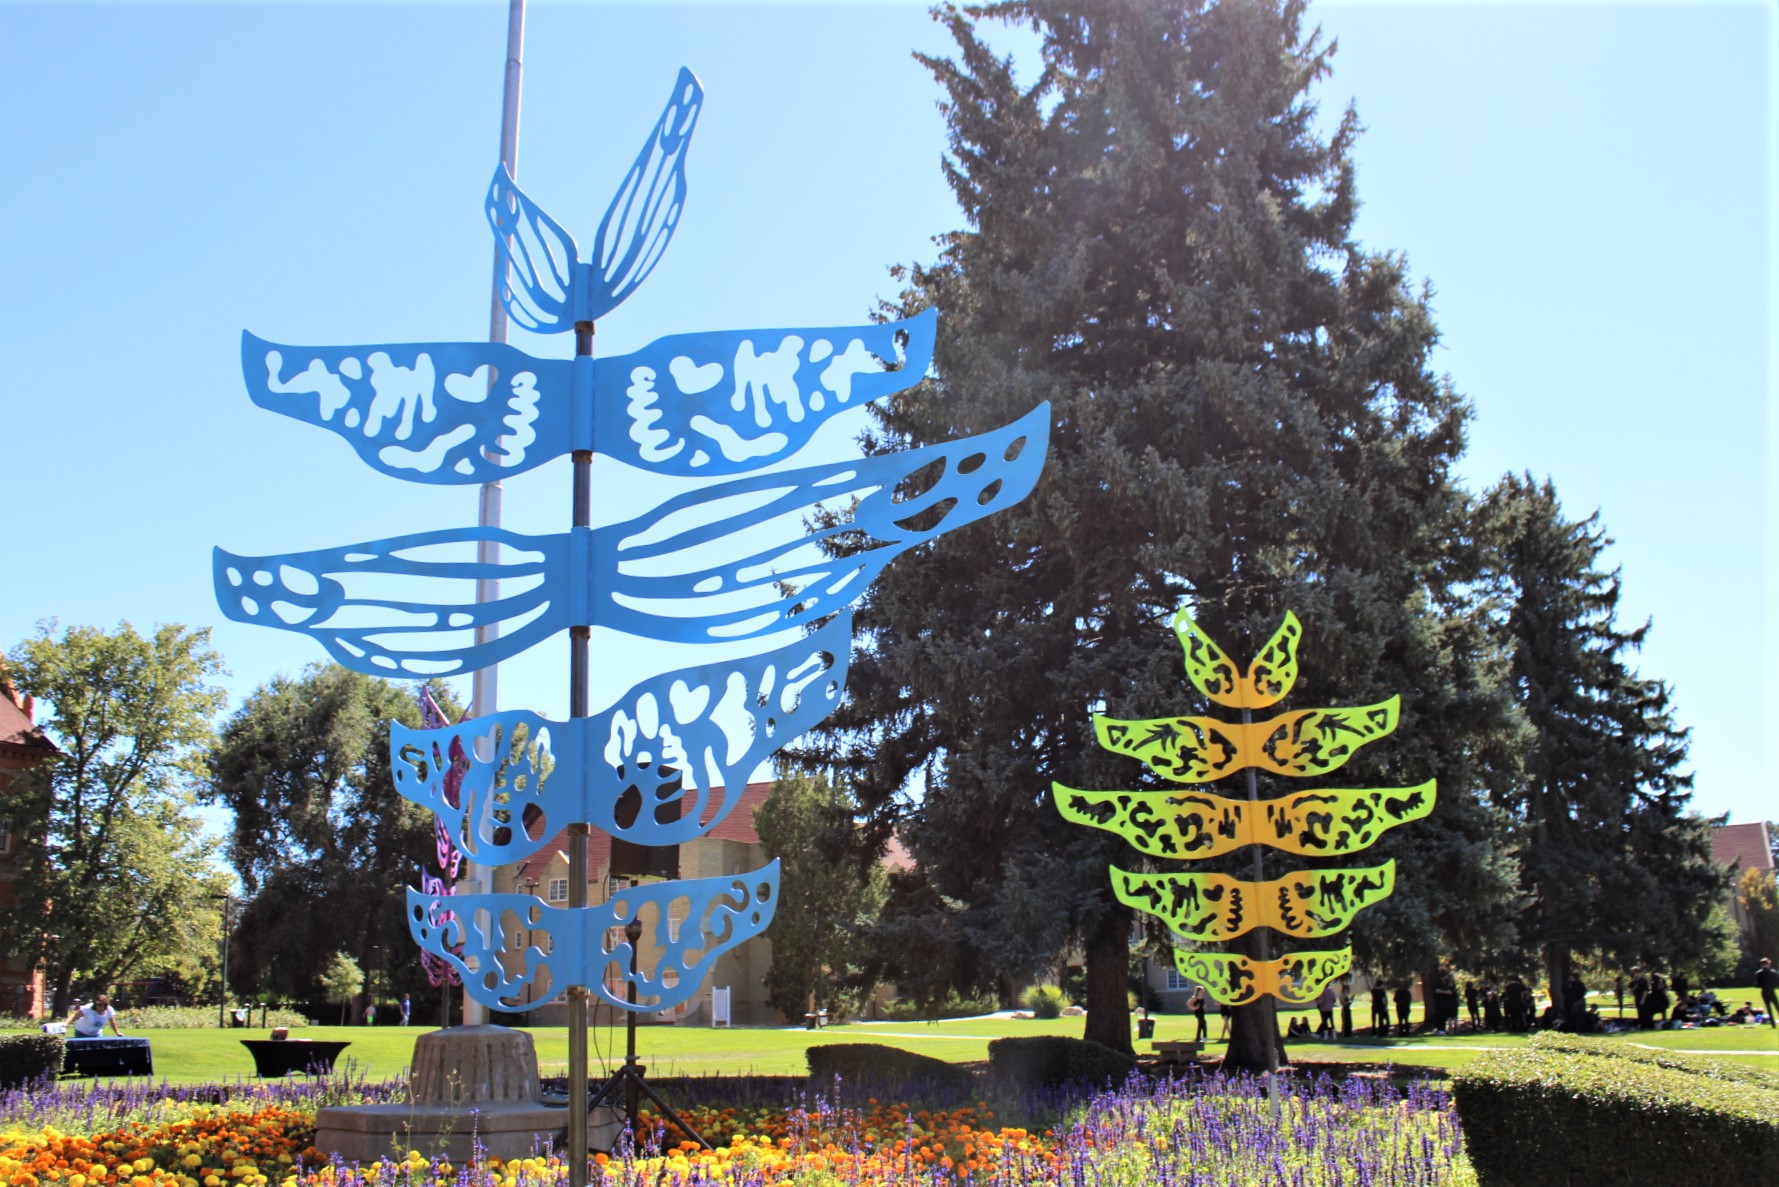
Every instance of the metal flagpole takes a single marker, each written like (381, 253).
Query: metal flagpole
(485, 686)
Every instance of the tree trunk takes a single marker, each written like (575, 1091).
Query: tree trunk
(1556, 968)
(59, 1006)
(1108, 982)
(1252, 1027)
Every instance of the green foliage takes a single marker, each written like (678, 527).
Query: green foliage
(952, 1005)
(1044, 1001)
(322, 842)
(341, 980)
(1051, 1061)
(1758, 896)
(1245, 415)
(1606, 831)
(1574, 1110)
(885, 1070)
(115, 880)
(829, 887)
(28, 1057)
(190, 1017)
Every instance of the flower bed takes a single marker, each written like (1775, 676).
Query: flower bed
(1220, 1131)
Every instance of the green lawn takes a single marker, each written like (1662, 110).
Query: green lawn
(188, 1056)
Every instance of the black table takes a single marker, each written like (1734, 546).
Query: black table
(127, 1056)
(280, 1057)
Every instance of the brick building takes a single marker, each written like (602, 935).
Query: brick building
(22, 747)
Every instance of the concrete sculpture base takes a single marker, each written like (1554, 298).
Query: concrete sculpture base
(472, 1087)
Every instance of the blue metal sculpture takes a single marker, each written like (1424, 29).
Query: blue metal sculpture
(760, 555)
(650, 576)
(662, 766)
(586, 946)
(548, 288)
(690, 404)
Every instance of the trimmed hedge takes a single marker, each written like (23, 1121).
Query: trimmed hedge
(28, 1057)
(1052, 1061)
(872, 1066)
(1566, 1109)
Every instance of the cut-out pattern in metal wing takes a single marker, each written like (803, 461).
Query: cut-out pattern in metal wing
(451, 413)
(649, 577)
(734, 401)
(437, 412)
(566, 944)
(650, 571)
(1238, 980)
(1214, 907)
(546, 288)
(661, 767)
(1268, 679)
(1191, 825)
(362, 628)
(1302, 743)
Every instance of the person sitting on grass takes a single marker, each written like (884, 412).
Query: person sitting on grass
(1745, 1015)
(1299, 1028)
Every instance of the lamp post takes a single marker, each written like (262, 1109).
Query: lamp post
(222, 998)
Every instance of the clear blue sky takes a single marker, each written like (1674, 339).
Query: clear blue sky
(1589, 188)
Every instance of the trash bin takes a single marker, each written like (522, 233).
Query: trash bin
(1145, 1028)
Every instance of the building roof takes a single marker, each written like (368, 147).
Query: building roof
(19, 735)
(1743, 846)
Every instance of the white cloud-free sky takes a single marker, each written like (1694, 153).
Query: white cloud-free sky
(1589, 188)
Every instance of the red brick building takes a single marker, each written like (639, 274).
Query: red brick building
(22, 747)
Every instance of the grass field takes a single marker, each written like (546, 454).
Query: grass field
(193, 1056)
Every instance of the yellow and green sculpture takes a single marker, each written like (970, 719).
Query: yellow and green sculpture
(1188, 826)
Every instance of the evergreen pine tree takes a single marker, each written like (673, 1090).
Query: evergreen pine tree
(1613, 863)
(1160, 244)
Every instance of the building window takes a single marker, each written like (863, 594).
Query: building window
(559, 890)
(614, 885)
(518, 941)
(1175, 980)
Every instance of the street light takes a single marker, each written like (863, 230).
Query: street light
(222, 999)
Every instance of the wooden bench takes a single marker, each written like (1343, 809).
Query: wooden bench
(1175, 1052)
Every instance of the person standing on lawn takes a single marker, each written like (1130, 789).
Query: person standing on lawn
(1197, 1006)
(407, 1009)
(1325, 1011)
(1346, 1010)
(90, 1020)
(1766, 979)
(1405, 1002)
(1640, 997)
(1380, 1009)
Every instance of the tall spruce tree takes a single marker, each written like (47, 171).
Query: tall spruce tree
(1614, 865)
(1160, 245)
(324, 846)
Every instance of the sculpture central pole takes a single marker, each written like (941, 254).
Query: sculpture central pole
(580, 639)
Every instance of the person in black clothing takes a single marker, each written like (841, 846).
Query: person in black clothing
(1445, 1002)
(1380, 1009)
(1492, 1007)
(1405, 1001)
(1680, 984)
(1766, 979)
(1519, 1005)
(1658, 997)
(1575, 1004)
(1346, 1010)
(1473, 1003)
(1640, 997)
(1197, 1006)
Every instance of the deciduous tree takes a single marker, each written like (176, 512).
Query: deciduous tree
(323, 844)
(830, 888)
(116, 880)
